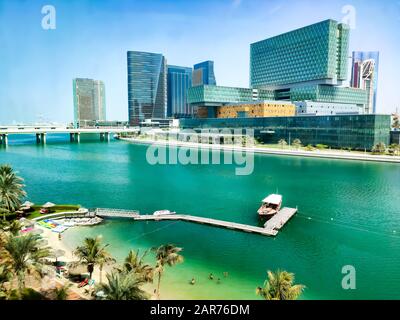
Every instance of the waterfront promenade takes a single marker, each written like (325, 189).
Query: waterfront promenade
(327, 154)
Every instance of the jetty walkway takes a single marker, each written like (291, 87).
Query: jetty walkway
(271, 227)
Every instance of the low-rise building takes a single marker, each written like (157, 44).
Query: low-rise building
(326, 108)
(257, 109)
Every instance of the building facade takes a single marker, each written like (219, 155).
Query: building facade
(360, 132)
(89, 101)
(325, 108)
(203, 74)
(179, 80)
(365, 71)
(257, 109)
(315, 54)
(147, 86)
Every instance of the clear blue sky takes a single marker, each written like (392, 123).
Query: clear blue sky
(91, 39)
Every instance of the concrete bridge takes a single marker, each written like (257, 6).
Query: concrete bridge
(41, 132)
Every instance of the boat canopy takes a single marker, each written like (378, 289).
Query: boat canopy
(273, 199)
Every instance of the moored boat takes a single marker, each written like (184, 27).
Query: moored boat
(163, 212)
(270, 206)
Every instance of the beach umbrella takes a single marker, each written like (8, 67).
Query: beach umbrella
(58, 254)
(28, 204)
(48, 205)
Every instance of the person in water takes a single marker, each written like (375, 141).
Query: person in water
(193, 281)
(218, 281)
(211, 277)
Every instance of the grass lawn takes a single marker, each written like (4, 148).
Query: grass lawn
(55, 209)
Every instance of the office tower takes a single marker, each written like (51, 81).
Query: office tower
(203, 74)
(315, 54)
(89, 102)
(365, 70)
(179, 80)
(147, 86)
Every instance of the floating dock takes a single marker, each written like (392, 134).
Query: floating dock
(271, 228)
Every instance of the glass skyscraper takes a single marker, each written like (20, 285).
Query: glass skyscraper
(365, 70)
(315, 54)
(89, 101)
(147, 86)
(179, 80)
(203, 74)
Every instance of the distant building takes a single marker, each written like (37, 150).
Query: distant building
(365, 70)
(147, 86)
(203, 74)
(89, 101)
(337, 131)
(326, 108)
(257, 109)
(306, 64)
(179, 80)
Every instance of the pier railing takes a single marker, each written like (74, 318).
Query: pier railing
(117, 213)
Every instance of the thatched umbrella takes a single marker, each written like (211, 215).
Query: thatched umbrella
(58, 254)
(28, 204)
(48, 205)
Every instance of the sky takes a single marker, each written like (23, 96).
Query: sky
(91, 38)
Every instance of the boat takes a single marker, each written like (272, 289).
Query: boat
(270, 206)
(163, 212)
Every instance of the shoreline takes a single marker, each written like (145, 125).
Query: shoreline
(337, 155)
(60, 244)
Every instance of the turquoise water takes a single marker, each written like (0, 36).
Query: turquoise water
(349, 214)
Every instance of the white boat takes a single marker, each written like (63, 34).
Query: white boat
(270, 206)
(163, 212)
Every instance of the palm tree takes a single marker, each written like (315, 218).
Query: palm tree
(282, 143)
(11, 190)
(92, 253)
(297, 143)
(379, 148)
(61, 293)
(279, 286)
(122, 286)
(23, 254)
(135, 263)
(166, 255)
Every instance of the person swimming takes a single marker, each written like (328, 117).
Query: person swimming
(211, 277)
(192, 281)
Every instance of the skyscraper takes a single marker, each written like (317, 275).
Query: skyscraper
(365, 70)
(179, 80)
(89, 101)
(203, 74)
(315, 54)
(147, 86)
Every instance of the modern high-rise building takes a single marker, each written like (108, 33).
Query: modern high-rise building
(306, 64)
(89, 101)
(147, 86)
(365, 70)
(203, 74)
(312, 55)
(179, 80)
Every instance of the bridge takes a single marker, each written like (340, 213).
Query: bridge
(42, 131)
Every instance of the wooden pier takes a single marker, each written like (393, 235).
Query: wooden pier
(271, 228)
(280, 219)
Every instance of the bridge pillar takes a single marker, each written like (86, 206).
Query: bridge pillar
(4, 139)
(38, 136)
(71, 137)
(102, 134)
(43, 138)
(78, 137)
(107, 136)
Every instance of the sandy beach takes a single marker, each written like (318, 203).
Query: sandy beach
(58, 244)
